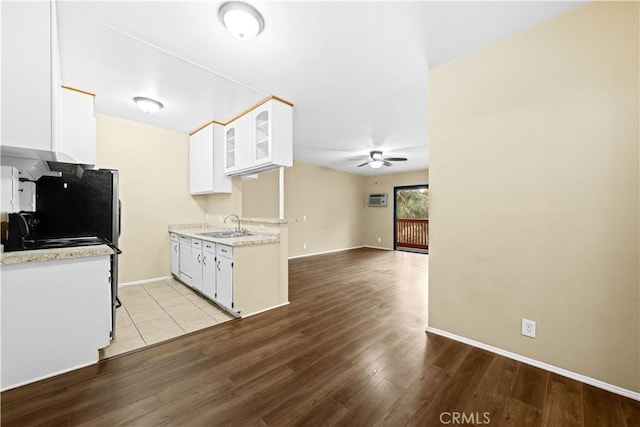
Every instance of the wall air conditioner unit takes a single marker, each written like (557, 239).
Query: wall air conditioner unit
(378, 200)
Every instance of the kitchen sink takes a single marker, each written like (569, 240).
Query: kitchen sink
(226, 234)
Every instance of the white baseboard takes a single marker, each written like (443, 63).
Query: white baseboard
(266, 309)
(142, 282)
(325, 252)
(377, 247)
(538, 364)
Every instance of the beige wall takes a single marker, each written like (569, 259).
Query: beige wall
(331, 201)
(260, 195)
(534, 193)
(378, 221)
(154, 190)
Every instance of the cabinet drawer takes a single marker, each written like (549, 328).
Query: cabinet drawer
(196, 244)
(174, 237)
(185, 239)
(209, 247)
(224, 251)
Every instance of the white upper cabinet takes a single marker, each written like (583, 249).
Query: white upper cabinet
(272, 139)
(206, 161)
(40, 120)
(260, 140)
(28, 32)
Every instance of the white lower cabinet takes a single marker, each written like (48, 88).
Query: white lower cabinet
(185, 264)
(224, 276)
(209, 269)
(175, 255)
(54, 316)
(196, 263)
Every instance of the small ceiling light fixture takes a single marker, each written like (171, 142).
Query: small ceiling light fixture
(241, 19)
(148, 105)
(377, 162)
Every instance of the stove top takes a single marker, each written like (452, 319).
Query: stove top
(63, 242)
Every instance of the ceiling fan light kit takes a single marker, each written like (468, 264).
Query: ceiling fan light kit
(376, 160)
(242, 20)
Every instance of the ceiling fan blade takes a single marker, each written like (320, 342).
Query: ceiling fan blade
(395, 159)
(364, 164)
(386, 163)
(360, 158)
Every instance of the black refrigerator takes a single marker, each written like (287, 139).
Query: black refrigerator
(72, 206)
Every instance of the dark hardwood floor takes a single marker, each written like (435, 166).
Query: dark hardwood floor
(349, 350)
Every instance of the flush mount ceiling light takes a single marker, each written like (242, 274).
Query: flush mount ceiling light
(241, 19)
(376, 164)
(148, 105)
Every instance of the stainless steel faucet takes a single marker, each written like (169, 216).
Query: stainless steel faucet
(237, 219)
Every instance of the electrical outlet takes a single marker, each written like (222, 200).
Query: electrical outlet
(304, 246)
(528, 328)
(304, 217)
(379, 239)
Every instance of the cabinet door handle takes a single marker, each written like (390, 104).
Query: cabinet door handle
(175, 249)
(204, 259)
(199, 257)
(218, 265)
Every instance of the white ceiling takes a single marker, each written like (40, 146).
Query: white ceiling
(357, 72)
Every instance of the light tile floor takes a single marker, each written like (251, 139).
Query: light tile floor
(157, 311)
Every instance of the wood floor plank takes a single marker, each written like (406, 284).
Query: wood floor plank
(563, 405)
(327, 412)
(458, 390)
(350, 349)
(490, 398)
(601, 408)
(517, 414)
(631, 411)
(530, 386)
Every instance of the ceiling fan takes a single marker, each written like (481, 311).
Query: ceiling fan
(376, 160)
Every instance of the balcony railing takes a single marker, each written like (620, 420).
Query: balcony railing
(412, 233)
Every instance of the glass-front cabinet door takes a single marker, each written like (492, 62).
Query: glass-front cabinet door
(230, 148)
(262, 135)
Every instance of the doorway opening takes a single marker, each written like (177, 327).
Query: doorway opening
(411, 218)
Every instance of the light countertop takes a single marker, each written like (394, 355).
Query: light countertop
(256, 238)
(19, 257)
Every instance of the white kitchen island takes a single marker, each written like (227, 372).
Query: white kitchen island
(56, 311)
(244, 275)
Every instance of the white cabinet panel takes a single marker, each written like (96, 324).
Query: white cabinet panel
(209, 269)
(186, 266)
(175, 255)
(27, 196)
(196, 262)
(77, 142)
(206, 161)
(10, 187)
(224, 282)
